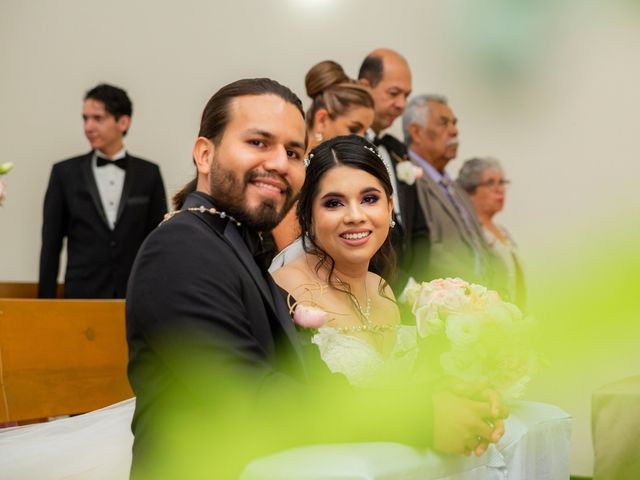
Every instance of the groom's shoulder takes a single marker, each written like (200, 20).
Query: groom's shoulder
(185, 226)
(184, 239)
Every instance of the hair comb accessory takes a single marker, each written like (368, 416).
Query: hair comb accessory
(307, 160)
(373, 150)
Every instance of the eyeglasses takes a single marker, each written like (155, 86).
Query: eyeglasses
(493, 184)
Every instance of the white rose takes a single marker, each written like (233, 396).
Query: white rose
(462, 328)
(463, 364)
(428, 322)
(410, 292)
(499, 315)
(407, 172)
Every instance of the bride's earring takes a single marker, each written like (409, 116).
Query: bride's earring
(318, 136)
(392, 223)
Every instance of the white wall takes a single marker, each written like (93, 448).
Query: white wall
(549, 87)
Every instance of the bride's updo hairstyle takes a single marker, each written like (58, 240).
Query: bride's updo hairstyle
(344, 151)
(330, 88)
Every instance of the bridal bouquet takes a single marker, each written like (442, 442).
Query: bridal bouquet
(4, 168)
(471, 334)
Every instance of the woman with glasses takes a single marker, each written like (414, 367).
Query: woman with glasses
(483, 179)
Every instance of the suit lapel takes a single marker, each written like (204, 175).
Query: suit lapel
(272, 297)
(90, 181)
(129, 180)
(235, 241)
(435, 191)
(407, 206)
(471, 211)
(267, 287)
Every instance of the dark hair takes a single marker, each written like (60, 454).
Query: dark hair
(349, 151)
(372, 69)
(215, 116)
(115, 100)
(330, 88)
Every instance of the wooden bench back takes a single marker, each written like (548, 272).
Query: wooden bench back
(24, 290)
(61, 357)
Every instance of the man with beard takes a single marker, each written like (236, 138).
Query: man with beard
(199, 294)
(457, 247)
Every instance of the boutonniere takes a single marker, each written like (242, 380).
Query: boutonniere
(408, 173)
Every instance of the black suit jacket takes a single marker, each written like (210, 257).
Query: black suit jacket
(98, 259)
(413, 224)
(198, 302)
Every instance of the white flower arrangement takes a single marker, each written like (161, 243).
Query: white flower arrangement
(472, 335)
(4, 169)
(407, 172)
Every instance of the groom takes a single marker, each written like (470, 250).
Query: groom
(204, 316)
(199, 293)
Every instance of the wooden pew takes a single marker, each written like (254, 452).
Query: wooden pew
(24, 290)
(61, 357)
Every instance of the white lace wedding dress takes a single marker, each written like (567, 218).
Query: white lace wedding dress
(362, 364)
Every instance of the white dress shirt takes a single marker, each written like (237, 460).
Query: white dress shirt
(110, 180)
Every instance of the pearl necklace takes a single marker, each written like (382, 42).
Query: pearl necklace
(370, 327)
(201, 209)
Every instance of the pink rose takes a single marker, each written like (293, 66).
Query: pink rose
(309, 317)
(1, 192)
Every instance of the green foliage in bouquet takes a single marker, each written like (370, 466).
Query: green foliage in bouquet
(470, 334)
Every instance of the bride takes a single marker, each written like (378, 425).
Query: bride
(345, 213)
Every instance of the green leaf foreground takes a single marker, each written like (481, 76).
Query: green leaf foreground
(5, 167)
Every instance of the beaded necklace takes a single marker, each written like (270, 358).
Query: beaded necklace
(367, 325)
(201, 209)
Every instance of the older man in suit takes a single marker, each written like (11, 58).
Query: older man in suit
(388, 76)
(456, 245)
(104, 202)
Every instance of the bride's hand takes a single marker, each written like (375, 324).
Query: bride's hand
(460, 426)
(499, 411)
(479, 391)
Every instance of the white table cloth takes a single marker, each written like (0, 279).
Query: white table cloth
(97, 446)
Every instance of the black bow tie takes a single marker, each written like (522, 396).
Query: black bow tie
(122, 162)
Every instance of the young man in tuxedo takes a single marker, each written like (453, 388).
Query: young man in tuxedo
(388, 76)
(104, 203)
